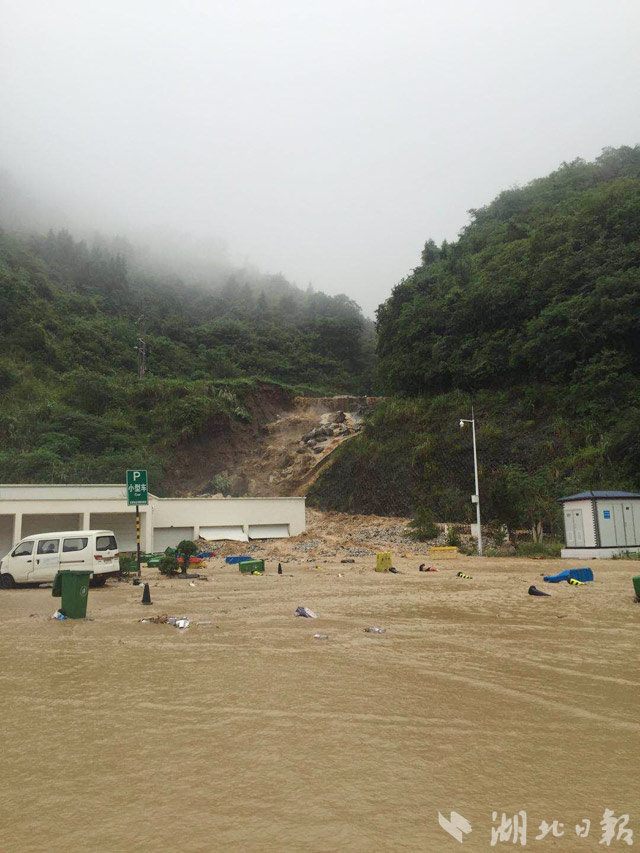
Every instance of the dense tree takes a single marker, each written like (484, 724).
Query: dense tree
(72, 407)
(533, 314)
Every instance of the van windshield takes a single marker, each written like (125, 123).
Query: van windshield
(23, 549)
(106, 543)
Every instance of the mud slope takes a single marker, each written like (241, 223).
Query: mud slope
(279, 453)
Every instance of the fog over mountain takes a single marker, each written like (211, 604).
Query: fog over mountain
(326, 141)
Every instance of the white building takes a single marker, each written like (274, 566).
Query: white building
(165, 521)
(601, 524)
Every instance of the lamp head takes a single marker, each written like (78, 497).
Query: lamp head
(461, 423)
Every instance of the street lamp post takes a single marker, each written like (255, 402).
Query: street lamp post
(475, 498)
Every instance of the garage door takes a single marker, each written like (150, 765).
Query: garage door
(268, 531)
(168, 537)
(123, 525)
(216, 534)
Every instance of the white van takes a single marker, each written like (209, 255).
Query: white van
(36, 559)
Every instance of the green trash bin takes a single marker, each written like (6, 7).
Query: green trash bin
(73, 588)
(636, 585)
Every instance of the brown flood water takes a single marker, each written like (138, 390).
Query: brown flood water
(249, 735)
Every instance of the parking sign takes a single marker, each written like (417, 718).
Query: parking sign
(137, 488)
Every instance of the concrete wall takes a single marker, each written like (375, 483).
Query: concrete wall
(123, 525)
(169, 537)
(6, 534)
(50, 522)
(213, 512)
(41, 509)
(576, 554)
(97, 491)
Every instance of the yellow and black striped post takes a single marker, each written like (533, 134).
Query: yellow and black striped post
(138, 537)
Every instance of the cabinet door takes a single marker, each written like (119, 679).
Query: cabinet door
(629, 525)
(578, 528)
(618, 518)
(606, 525)
(568, 529)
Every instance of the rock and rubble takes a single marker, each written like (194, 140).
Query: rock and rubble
(284, 455)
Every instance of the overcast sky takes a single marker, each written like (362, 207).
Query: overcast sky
(324, 139)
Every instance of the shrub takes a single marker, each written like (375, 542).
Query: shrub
(186, 549)
(220, 484)
(8, 376)
(128, 565)
(168, 565)
(423, 526)
(453, 537)
(497, 532)
(548, 548)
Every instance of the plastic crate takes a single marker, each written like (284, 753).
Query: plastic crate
(249, 566)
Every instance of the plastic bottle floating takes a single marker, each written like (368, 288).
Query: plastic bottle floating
(462, 575)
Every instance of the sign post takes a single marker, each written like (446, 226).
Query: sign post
(137, 495)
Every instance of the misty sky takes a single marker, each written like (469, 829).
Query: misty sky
(326, 140)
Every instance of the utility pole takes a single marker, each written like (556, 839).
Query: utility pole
(475, 498)
(141, 347)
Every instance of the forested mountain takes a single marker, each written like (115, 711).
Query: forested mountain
(533, 316)
(72, 407)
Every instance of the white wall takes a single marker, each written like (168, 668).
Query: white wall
(169, 537)
(6, 534)
(41, 509)
(107, 491)
(123, 525)
(214, 512)
(49, 522)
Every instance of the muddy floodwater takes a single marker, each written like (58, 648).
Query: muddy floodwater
(249, 734)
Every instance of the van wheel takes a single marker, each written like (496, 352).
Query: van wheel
(6, 581)
(98, 581)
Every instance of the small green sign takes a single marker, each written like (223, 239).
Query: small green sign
(137, 488)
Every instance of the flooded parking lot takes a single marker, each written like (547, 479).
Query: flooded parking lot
(249, 734)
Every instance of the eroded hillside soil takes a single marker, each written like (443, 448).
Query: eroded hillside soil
(278, 453)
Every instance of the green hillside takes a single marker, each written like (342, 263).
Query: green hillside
(72, 408)
(532, 316)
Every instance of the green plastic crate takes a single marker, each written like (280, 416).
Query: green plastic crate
(249, 566)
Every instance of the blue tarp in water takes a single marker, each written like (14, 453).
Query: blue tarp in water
(585, 575)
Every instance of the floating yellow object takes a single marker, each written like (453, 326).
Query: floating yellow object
(444, 552)
(383, 561)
